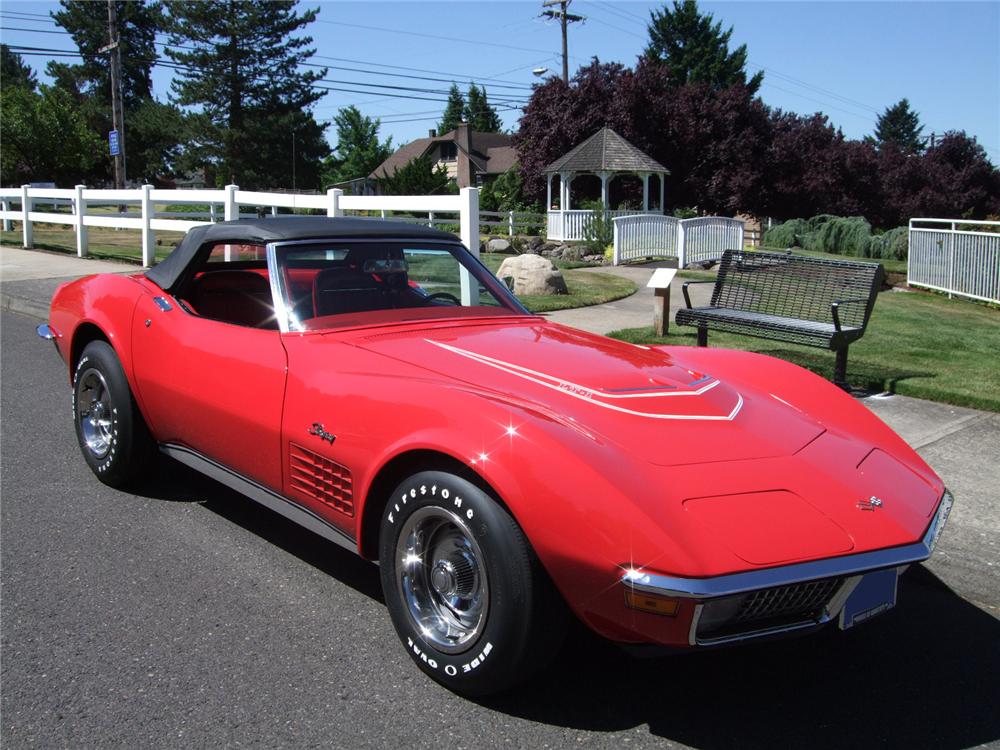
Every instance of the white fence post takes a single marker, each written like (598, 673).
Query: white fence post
(430, 219)
(25, 217)
(232, 211)
(148, 236)
(211, 213)
(681, 246)
(82, 244)
(510, 223)
(5, 206)
(333, 197)
(469, 220)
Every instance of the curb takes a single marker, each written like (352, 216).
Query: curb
(12, 303)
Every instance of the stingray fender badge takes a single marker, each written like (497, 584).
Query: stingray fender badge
(871, 503)
(318, 431)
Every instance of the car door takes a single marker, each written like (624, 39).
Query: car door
(213, 386)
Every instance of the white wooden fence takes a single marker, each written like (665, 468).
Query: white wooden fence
(148, 221)
(570, 226)
(955, 256)
(696, 240)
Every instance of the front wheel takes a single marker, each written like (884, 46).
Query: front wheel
(466, 594)
(113, 436)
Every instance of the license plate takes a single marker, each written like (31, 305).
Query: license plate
(875, 594)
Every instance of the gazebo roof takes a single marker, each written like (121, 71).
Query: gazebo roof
(606, 151)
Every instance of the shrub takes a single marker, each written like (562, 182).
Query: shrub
(598, 231)
(851, 236)
(893, 245)
(788, 234)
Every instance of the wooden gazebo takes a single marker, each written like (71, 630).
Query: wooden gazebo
(605, 155)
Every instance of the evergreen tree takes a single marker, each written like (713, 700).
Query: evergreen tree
(454, 111)
(87, 23)
(14, 71)
(695, 50)
(418, 176)
(241, 66)
(900, 125)
(358, 150)
(481, 117)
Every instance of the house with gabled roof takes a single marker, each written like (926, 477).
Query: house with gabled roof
(470, 158)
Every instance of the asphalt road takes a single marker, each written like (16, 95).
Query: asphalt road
(188, 617)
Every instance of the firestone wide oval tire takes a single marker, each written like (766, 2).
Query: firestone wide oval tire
(113, 436)
(467, 596)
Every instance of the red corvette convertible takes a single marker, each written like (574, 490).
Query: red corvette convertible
(375, 383)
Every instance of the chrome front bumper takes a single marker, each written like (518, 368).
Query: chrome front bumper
(849, 569)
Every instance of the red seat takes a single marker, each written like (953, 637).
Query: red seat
(240, 297)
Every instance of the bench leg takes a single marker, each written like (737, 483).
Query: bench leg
(702, 336)
(840, 370)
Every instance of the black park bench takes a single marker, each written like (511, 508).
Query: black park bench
(794, 298)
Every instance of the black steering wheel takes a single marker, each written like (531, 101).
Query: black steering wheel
(442, 295)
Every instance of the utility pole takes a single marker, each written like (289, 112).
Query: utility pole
(564, 18)
(117, 113)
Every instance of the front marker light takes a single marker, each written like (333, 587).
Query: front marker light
(657, 605)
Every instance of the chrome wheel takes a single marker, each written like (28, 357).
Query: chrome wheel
(94, 412)
(442, 579)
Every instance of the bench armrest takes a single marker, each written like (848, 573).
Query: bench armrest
(684, 289)
(834, 309)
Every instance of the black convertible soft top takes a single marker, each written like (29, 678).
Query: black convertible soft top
(249, 231)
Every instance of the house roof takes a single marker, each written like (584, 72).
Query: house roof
(491, 153)
(606, 151)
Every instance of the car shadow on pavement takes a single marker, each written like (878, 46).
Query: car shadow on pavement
(175, 482)
(924, 675)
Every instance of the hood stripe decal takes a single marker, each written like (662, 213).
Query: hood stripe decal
(588, 394)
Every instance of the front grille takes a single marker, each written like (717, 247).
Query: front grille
(765, 609)
(321, 479)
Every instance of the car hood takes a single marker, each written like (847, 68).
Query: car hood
(645, 400)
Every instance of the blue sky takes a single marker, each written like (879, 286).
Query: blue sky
(848, 60)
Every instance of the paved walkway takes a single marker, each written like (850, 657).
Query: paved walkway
(960, 444)
(28, 278)
(630, 312)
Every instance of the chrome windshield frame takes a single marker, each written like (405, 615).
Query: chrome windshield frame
(282, 312)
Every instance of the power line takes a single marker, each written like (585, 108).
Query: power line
(476, 42)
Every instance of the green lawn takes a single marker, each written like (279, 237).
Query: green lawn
(105, 243)
(585, 287)
(917, 344)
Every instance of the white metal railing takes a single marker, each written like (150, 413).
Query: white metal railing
(464, 207)
(696, 240)
(955, 256)
(570, 226)
(644, 235)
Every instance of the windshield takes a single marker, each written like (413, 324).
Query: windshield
(343, 282)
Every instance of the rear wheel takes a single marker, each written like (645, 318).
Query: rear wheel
(467, 596)
(113, 436)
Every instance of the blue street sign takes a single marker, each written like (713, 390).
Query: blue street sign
(113, 143)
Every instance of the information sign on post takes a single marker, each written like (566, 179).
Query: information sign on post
(113, 142)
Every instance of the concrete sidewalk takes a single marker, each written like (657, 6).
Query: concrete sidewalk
(29, 278)
(960, 444)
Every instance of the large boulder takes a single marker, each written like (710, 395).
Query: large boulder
(497, 245)
(530, 275)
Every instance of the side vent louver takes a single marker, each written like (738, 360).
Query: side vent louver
(321, 479)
